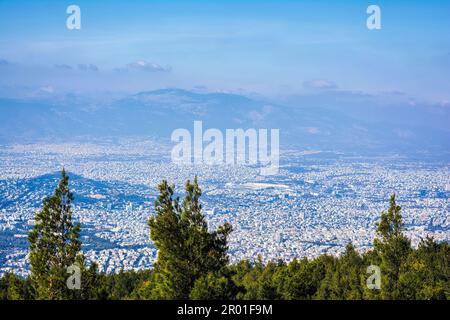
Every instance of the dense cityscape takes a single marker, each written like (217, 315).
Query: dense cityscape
(319, 202)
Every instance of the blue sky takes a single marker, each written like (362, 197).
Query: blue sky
(267, 47)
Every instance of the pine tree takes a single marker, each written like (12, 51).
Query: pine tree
(214, 286)
(393, 248)
(186, 249)
(13, 287)
(342, 279)
(54, 245)
(426, 272)
(350, 268)
(370, 258)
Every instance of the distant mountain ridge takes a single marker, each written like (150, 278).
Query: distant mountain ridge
(309, 122)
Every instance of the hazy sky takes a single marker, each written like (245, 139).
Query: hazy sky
(268, 47)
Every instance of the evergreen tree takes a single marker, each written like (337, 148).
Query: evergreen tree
(425, 274)
(54, 245)
(266, 285)
(245, 275)
(122, 285)
(90, 281)
(144, 288)
(291, 281)
(214, 286)
(13, 287)
(393, 248)
(192, 262)
(186, 249)
(370, 257)
(342, 279)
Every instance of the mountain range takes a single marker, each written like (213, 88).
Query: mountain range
(338, 121)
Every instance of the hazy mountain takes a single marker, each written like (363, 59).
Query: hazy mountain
(335, 120)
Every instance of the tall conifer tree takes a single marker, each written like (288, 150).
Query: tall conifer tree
(186, 249)
(55, 245)
(393, 248)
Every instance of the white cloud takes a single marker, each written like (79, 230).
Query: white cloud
(148, 66)
(404, 133)
(313, 130)
(47, 89)
(320, 84)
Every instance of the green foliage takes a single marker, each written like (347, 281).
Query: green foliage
(192, 262)
(391, 222)
(54, 245)
(121, 285)
(186, 249)
(13, 287)
(393, 248)
(260, 282)
(300, 280)
(214, 286)
(426, 272)
(144, 288)
(343, 277)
